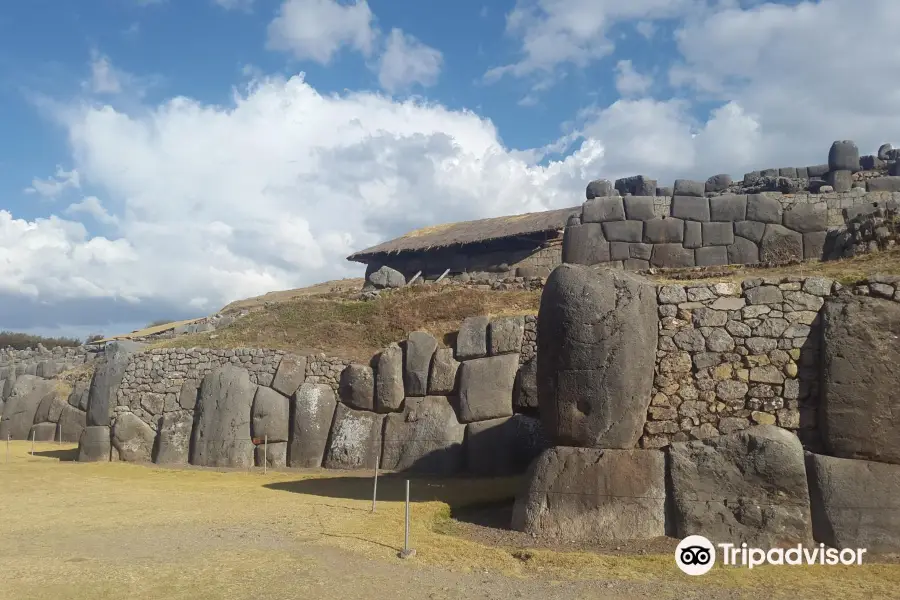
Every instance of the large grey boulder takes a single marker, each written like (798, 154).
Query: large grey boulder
(357, 386)
(860, 403)
(174, 444)
(780, 244)
(525, 393)
(50, 408)
(290, 375)
(221, 435)
(854, 503)
(442, 381)
(585, 494)
(486, 387)
(94, 445)
(270, 416)
(843, 156)
(106, 380)
(22, 405)
(43, 432)
(274, 456)
(132, 438)
(426, 437)
(597, 337)
(506, 335)
(314, 406)
(585, 244)
(79, 396)
(72, 422)
(386, 277)
(389, 392)
(749, 487)
(505, 446)
(599, 188)
(420, 347)
(355, 439)
(472, 338)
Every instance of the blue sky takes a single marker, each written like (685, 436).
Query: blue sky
(163, 158)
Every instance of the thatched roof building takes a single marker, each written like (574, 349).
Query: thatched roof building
(505, 246)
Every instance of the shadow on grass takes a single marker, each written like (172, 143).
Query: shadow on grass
(66, 455)
(485, 501)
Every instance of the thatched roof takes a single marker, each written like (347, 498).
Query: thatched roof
(469, 232)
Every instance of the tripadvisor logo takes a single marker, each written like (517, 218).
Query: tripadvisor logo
(696, 555)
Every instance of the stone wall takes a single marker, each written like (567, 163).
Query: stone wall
(745, 413)
(413, 406)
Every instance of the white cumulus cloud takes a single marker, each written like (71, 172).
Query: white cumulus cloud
(407, 61)
(317, 29)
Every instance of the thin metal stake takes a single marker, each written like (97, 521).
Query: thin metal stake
(265, 452)
(407, 552)
(59, 426)
(7, 447)
(375, 484)
(32, 441)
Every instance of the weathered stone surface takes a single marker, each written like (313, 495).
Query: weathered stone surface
(20, 408)
(711, 256)
(599, 188)
(72, 422)
(840, 516)
(672, 256)
(290, 375)
(693, 235)
(187, 396)
(273, 455)
(840, 181)
(843, 156)
(593, 495)
(597, 337)
(637, 186)
(79, 396)
(132, 438)
(386, 277)
(860, 404)
(174, 443)
(807, 218)
(355, 439)
(389, 391)
(43, 432)
(357, 386)
(105, 383)
(505, 446)
(752, 230)
(442, 381)
(623, 231)
(585, 244)
(690, 208)
(884, 151)
(718, 183)
(94, 445)
(49, 409)
(420, 347)
(270, 416)
(486, 387)
(525, 390)
(814, 244)
(426, 438)
(743, 252)
(640, 207)
(883, 184)
(506, 334)
(600, 210)
(222, 432)
(749, 487)
(780, 244)
(728, 208)
(664, 231)
(472, 338)
(314, 407)
(763, 209)
(687, 187)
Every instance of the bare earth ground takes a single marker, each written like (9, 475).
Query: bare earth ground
(118, 530)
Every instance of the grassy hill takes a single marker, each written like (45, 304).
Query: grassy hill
(324, 318)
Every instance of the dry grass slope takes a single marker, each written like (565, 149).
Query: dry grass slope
(354, 329)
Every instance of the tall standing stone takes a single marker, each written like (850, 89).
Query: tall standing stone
(290, 375)
(270, 416)
(106, 380)
(357, 387)
(420, 347)
(860, 403)
(132, 438)
(486, 387)
(355, 441)
(597, 337)
(94, 444)
(22, 405)
(222, 433)
(426, 437)
(389, 392)
(314, 406)
(174, 438)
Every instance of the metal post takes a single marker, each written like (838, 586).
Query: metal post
(32, 441)
(407, 552)
(265, 452)
(375, 484)
(7, 447)
(59, 426)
